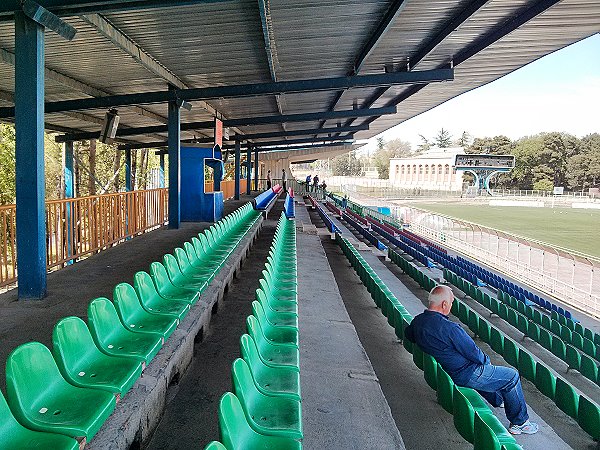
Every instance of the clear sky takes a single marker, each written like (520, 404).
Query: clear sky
(559, 92)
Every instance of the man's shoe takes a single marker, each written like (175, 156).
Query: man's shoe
(527, 428)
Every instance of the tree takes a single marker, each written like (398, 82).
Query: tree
(424, 145)
(395, 148)
(464, 140)
(583, 169)
(443, 139)
(346, 165)
(7, 164)
(498, 145)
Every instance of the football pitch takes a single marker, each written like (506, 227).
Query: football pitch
(575, 229)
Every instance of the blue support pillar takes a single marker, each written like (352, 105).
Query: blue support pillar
(248, 169)
(236, 175)
(128, 170)
(174, 150)
(256, 169)
(161, 171)
(30, 188)
(69, 188)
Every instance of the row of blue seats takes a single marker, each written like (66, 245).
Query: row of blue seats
(513, 289)
(326, 219)
(263, 200)
(288, 206)
(396, 241)
(364, 232)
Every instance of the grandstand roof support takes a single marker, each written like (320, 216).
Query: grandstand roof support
(265, 120)
(256, 169)
(236, 174)
(29, 153)
(247, 90)
(174, 151)
(248, 168)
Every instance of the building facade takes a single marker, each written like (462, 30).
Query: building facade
(432, 170)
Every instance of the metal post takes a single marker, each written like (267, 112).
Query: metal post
(128, 170)
(30, 188)
(237, 170)
(69, 194)
(161, 171)
(248, 169)
(174, 169)
(256, 169)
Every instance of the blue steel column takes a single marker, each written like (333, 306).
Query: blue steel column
(256, 169)
(248, 169)
(128, 170)
(173, 140)
(161, 171)
(69, 183)
(236, 174)
(30, 189)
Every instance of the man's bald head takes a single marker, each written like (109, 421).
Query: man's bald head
(440, 299)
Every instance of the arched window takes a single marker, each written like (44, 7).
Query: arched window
(433, 169)
(420, 169)
(426, 169)
(397, 169)
(402, 169)
(447, 169)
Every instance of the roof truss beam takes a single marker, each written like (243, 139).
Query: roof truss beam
(247, 90)
(265, 120)
(76, 7)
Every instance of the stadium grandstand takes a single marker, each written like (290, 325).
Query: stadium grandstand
(233, 307)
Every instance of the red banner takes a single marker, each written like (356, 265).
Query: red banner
(218, 132)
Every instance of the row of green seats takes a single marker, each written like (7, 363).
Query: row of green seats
(59, 399)
(572, 333)
(578, 406)
(570, 347)
(265, 410)
(473, 419)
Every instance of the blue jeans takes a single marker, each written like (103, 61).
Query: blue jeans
(497, 384)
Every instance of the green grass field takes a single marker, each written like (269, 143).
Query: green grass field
(575, 229)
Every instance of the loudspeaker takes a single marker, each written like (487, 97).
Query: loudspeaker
(109, 127)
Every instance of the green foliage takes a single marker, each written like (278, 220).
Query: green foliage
(498, 145)
(7, 164)
(347, 165)
(443, 139)
(464, 140)
(395, 148)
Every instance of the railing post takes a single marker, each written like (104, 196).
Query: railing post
(127, 188)
(174, 145)
(248, 169)
(29, 155)
(256, 169)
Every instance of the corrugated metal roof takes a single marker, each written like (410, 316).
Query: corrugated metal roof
(222, 43)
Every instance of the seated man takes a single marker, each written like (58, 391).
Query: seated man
(466, 364)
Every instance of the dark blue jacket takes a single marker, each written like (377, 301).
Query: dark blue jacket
(448, 343)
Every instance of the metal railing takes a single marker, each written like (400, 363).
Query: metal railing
(227, 187)
(81, 226)
(535, 276)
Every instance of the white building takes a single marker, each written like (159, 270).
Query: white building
(432, 170)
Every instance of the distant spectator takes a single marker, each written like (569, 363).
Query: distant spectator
(308, 178)
(268, 179)
(345, 202)
(284, 180)
(315, 183)
(324, 187)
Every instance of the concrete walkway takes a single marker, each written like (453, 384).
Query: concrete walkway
(343, 404)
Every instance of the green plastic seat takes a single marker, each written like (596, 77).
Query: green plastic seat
(280, 296)
(280, 335)
(64, 409)
(136, 318)
(271, 359)
(577, 341)
(546, 322)
(112, 338)
(269, 351)
(511, 352)
(489, 433)
(589, 348)
(533, 331)
(82, 364)
(555, 327)
(559, 348)
(522, 324)
(545, 339)
(274, 416)
(589, 368)
(430, 368)
(152, 302)
(418, 356)
(512, 317)
(484, 330)
(16, 437)
(545, 381)
(287, 318)
(237, 434)
(445, 387)
(273, 303)
(276, 381)
(215, 445)
(588, 417)
(573, 358)
(473, 321)
(526, 365)
(496, 340)
(465, 402)
(170, 291)
(566, 335)
(182, 273)
(566, 398)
